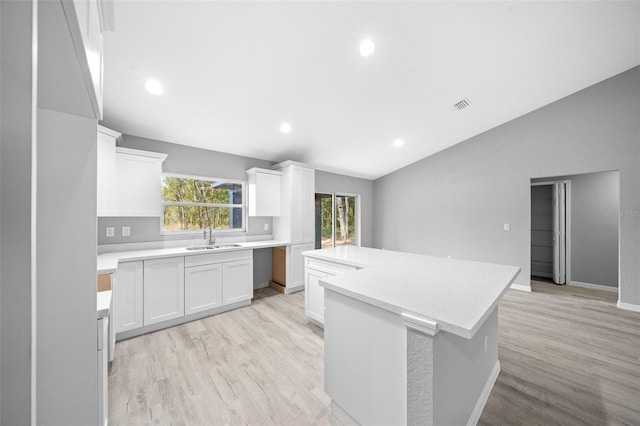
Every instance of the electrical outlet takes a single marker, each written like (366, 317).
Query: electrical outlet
(126, 231)
(507, 227)
(111, 231)
(266, 226)
(486, 344)
(449, 257)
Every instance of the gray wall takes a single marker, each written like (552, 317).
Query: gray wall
(595, 201)
(331, 182)
(15, 213)
(456, 201)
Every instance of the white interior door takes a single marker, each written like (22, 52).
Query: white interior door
(559, 233)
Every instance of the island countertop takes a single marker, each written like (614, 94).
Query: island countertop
(457, 295)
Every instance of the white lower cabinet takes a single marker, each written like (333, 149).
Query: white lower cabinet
(316, 270)
(202, 288)
(237, 281)
(163, 289)
(295, 265)
(127, 296)
(314, 295)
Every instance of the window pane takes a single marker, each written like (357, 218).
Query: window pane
(324, 221)
(187, 190)
(345, 220)
(185, 218)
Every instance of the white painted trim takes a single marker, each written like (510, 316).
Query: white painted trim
(593, 286)
(289, 290)
(33, 355)
(521, 287)
(628, 306)
(157, 155)
(484, 396)
(109, 132)
(422, 325)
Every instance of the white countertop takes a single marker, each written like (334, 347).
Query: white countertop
(108, 262)
(103, 303)
(456, 294)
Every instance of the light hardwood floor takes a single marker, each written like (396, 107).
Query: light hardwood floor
(568, 356)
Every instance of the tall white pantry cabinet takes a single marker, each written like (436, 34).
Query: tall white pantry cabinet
(296, 222)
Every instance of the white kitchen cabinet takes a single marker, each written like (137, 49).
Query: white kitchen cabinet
(138, 188)
(296, 223)
(316, 270)
(264, 192)
(163, 289)
(106, 171)
(295, 266)
(127, 296)
(202, 287)
(237, 281)
(314, 295)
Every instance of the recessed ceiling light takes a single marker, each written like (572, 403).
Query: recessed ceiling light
(154, 87)
(398, 143)
(285, 128)
(367, 47)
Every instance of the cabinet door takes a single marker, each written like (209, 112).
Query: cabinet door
(264, 194)
(127, 296)
(163, 289)
(139, 191)
(314, 295)
(295, 263)
(237, 281)
(106, 174)
(202, 288)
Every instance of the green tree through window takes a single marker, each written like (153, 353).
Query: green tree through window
(195, 203)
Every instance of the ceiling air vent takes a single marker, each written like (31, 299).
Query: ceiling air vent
(461, 104)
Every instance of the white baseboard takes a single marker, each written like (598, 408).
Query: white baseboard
(628, 306)
(593, 286)
(484, 396)
(521, 287)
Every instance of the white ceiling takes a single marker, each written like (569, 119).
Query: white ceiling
(234, 71)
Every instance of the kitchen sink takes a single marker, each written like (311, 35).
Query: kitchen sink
(220, 246)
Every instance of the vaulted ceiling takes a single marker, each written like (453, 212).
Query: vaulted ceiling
(233, 72)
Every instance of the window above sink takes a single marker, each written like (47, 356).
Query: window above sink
(193, 204)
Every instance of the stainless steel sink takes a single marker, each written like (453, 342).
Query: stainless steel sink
(220, 246)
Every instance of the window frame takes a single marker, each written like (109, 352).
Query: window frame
(243, 206)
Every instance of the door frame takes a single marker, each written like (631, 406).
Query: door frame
(567, 223)
(357, 226)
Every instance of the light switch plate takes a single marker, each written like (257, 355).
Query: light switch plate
(111, 231)
(266, 226)
(126, 231)
(507, 227)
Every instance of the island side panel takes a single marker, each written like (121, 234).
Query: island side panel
(463, 374)
(365, 361)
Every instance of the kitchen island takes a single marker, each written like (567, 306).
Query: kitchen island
(409, 339)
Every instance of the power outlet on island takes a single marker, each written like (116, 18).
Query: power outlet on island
(266, 226)
(126, 231)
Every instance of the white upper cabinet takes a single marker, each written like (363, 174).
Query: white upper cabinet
(106, 171)
(88, 20)
(264, 192)
(296, 223)
(128, 181)
(138, 188)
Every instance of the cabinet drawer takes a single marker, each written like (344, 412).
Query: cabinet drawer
(330, 267)
(219, 257)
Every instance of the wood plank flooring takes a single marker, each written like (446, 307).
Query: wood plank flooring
(568, 356)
